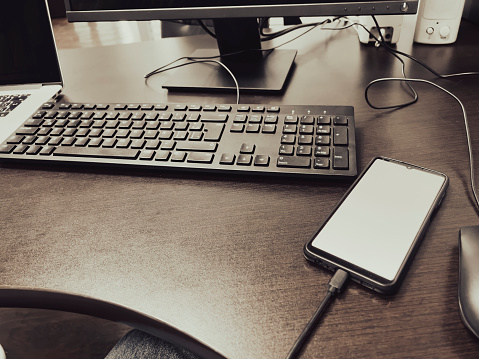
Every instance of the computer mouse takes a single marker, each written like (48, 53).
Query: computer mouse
(469, 277)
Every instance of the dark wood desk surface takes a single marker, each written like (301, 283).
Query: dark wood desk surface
(220, 258)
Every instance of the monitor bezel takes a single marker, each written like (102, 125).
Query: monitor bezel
(355, 8)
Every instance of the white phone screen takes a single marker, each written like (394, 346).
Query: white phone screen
(379, 220)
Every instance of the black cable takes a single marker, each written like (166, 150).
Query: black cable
(408, 80)
(336, 283)
(274, 35)
(205, 28)
(193, 60)
(395, 53)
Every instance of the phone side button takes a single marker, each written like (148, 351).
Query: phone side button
(340, 158)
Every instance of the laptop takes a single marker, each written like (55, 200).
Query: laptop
(30, 72)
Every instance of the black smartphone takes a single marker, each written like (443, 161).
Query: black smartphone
(375, 229)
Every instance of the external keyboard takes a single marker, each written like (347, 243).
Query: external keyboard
(302, 140)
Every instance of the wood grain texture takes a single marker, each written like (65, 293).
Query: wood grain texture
(220, 257)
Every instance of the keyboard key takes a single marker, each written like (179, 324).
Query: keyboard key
(286, 150)
(261, 160)
(305, 140)
(224, 108)
(269, 128)
(123, 143)
(109, 142)
(290, 128)
(6, 148)
(322, 140)
(304, 151)
(213, 131)
(288, 139)
(271, 119)
(253, 127)
(27, 131)
(340, 120)
(197, 146)
(324, 120)
(298, 162)
(256, 119)
(237, 127)
(321, 151)
(19, 150)
(162, 155)
(178, 156)
(200, 157)
(291, 119)
(340, 136)
(323, 130)
(196, 136)
(214, 117)
(321, 162)
(93, 152)
(168, 145)
(247, 148)
(227, 159)
(33, 150)
(244, 160)
(152, 144)
(15, 139)
(147, 155)
(34, 122)
(47, 150)
(306, 129)
(307, 120)
(340, 158)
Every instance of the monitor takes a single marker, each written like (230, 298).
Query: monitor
(237, 32)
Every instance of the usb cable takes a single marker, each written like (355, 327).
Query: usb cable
(336, 283)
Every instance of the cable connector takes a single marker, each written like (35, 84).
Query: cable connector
(337, 281)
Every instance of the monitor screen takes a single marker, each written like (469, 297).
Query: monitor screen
(236, 30)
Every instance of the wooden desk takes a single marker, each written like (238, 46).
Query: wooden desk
(220, 258)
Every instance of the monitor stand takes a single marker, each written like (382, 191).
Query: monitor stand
(255, 71)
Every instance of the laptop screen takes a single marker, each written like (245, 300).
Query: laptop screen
(27, 47)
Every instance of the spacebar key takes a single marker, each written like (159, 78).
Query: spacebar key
(93, 152)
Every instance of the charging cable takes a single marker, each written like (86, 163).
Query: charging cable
(336, 283)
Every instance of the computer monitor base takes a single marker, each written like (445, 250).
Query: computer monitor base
(267, 72)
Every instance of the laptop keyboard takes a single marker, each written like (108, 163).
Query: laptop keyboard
(9, 102)
(316, 141)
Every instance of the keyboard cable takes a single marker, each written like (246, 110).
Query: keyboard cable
(336, 284)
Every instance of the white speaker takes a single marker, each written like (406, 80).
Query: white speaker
(438, 21)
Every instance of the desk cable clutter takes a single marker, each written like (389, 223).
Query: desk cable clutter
(340, 277)
(386, 34)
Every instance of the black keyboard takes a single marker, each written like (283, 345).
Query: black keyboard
(279, 140)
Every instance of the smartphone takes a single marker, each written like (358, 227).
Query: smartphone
(377, 226)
